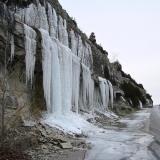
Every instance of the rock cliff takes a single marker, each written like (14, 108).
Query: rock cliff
(48, 64)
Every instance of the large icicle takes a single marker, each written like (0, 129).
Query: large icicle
(87, 56)
(111, 93)
(52, 20)
(30, 49)
(140, 105)
(87, 89)
(80, 48)
(74, 42)
(66, 77)
(104, 90)
(75, 82)
(62, 31)
(84, 52)
(51, 74)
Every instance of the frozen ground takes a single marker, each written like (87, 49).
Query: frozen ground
(130, 143)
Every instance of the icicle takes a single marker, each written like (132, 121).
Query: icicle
(85, 53)
(87, 89)
(80, 48)
(75, 82)
(104, 90)
(98, 99)
(12, 47)
(66, 78)
(62, 31)
(51, 73)
(52, 19)
(111, 93)
(140, 105)
(30, 49)
(74, 42)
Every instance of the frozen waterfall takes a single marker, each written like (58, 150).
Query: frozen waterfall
(86, 89)
(111, 93)
(140, 105)
(74, 42)
(30, 49)
(52, 20)
(67, 73)
(57, 75)
(66, 77)
(51, 73)
(62, 31)
(76, 70)
(104, 90)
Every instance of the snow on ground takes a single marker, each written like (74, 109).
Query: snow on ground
(71, 123)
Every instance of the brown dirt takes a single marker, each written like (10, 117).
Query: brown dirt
(10, 154)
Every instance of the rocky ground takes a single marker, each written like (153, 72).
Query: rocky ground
(43, 143)
(37, 141)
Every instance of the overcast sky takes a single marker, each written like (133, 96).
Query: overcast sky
(129, 30)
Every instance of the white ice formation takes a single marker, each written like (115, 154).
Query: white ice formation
(67, 72)
(140, 105)
(30, 49)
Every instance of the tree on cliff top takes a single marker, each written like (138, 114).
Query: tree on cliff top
(92, 37)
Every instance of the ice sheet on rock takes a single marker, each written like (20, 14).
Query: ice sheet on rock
(62, 31)
(30, 49)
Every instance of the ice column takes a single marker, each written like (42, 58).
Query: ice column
(51, 74)
(52, 20)
(74, 42)
(104, 90)
(111, 93)
(75, 82)
(62, 31)
(66, 77)
(140, 105)
(87, 89)
(85, 53)
(30, 49)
